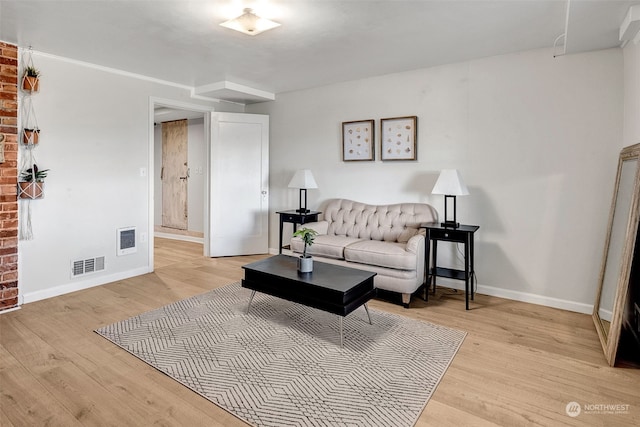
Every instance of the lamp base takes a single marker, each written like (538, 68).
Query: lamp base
(450, 224)
(303, 211)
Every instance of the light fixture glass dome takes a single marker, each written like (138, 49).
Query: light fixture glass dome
(250, 23)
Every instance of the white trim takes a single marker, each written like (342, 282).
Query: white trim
(181, 105)
(170, 103)
(606, 315)
(9, 310)
(180, 237)
(234, 87)
(111, 70)
(208, 118)
(562, 304)
(129, 74)
(85, 284)
(206, 98)
(150, 186)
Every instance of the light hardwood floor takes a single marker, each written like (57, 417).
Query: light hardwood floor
(520, 365)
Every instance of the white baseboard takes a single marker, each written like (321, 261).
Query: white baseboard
(521, 296)
(179, 237)
(449, 283)
(78, 286)
(503, 293)
(9, 310)
(273, 251)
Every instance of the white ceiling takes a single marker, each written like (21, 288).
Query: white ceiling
(320, 41)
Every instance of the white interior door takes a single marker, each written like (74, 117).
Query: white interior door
(239, 184)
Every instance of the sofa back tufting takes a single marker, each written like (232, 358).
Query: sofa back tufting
(389, 223)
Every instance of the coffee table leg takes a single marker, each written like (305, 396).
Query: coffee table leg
(341, 335)
(368, 315)
(253, 293)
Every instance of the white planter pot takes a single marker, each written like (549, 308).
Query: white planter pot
(305, 265)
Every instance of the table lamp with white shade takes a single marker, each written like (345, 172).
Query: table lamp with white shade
(450, 184)
(303, 179)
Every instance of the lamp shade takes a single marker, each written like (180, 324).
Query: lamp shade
(303, 178)
(450, 183)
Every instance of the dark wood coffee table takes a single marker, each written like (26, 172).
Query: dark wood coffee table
(332, 288)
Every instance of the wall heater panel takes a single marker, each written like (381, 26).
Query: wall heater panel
(127, 241)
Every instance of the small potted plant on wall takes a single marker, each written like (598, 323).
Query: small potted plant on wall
(31, 79)
(305, 262)
(31, 185)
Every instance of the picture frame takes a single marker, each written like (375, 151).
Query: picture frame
(398, 138)
(358, 141)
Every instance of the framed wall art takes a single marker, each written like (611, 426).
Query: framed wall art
(398, 139)
(358, 141)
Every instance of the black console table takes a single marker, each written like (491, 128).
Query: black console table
(462, 234)
(295, 218)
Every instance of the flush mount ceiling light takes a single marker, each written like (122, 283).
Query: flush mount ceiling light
(250, 23)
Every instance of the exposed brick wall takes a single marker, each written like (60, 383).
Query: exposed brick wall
(9, 176)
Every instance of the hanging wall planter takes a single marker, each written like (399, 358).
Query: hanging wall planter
(30, 136)
(31, 185)
(31, 79)
(31, 190)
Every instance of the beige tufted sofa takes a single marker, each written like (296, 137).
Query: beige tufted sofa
(385, 239)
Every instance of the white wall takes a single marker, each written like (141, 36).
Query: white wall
(195, 188)
(536, 139)
(632, 93)
(95, 138)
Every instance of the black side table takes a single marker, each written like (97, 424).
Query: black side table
(463, 234)
(295, 218)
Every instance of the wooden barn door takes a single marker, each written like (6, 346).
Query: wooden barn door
(174, 175)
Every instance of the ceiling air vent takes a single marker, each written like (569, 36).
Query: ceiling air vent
(86, 266)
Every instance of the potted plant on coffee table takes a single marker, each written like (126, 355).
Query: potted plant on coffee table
(31, 185)
(305, 262)
(31, 79)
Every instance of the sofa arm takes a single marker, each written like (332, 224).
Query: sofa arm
(415, 244)
(321, 227)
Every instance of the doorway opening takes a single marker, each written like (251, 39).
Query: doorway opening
(179, 169)
(236, 177)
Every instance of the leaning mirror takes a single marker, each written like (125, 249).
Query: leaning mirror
(615, 273)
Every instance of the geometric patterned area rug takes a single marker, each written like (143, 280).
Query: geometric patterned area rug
(282, 365)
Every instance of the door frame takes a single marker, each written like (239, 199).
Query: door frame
(170, 103)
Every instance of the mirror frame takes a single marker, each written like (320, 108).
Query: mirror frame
(610, 339)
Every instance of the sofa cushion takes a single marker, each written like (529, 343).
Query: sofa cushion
(383, 254)
(323, 245)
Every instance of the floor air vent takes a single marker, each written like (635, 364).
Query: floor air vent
(86, 266)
